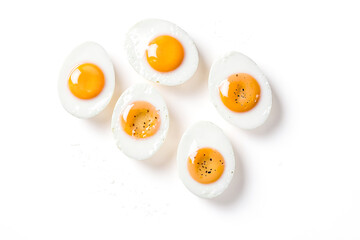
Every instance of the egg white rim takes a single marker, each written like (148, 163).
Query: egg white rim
(89, 52)
(220, 70)
(204, 132)
(140, 149)
(136, 43)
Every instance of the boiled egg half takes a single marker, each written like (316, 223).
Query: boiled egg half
(205, 160)
(140, 121)
(161, 52)
(87, 80)
(240, 91)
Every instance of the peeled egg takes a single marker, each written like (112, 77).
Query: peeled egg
(205, 160)
(140, 121)
(87, 81)
(161, 52)
(240, 91)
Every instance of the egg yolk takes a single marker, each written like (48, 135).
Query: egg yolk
(165, 53)
(206, 165)
(240, 92)
(86, 81)
(140, 119)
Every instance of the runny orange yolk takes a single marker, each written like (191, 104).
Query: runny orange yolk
(140, 119)
(165, 53)
(240, 92)
(86, 81)
(206, 165)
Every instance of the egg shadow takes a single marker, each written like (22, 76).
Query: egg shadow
(274, 119)
(103, 119)
(236, 187)
(168, 150)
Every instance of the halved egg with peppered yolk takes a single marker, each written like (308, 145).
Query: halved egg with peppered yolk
(161, 52)
(140, 121)
(205, 160)
(206, 165)
(87, 81)
(240, 91)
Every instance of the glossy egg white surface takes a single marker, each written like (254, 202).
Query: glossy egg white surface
(136, 44)
(136, 148)
(232, 63)
(205, 134)
(88, 52)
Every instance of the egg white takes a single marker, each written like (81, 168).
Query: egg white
(137, 41)
(205, 135)
(228, 65)
(136, 148)
(88, 52)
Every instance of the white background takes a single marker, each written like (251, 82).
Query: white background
(297, 176)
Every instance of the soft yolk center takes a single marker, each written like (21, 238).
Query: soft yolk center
(140, 119)
(206, 165)
(86, 81)
(240, 92)
(165, 53)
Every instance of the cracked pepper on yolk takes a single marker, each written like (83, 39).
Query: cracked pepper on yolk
(86, 81)
(206, 165)
(140, 119)
(240, 92)
(165, 53)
